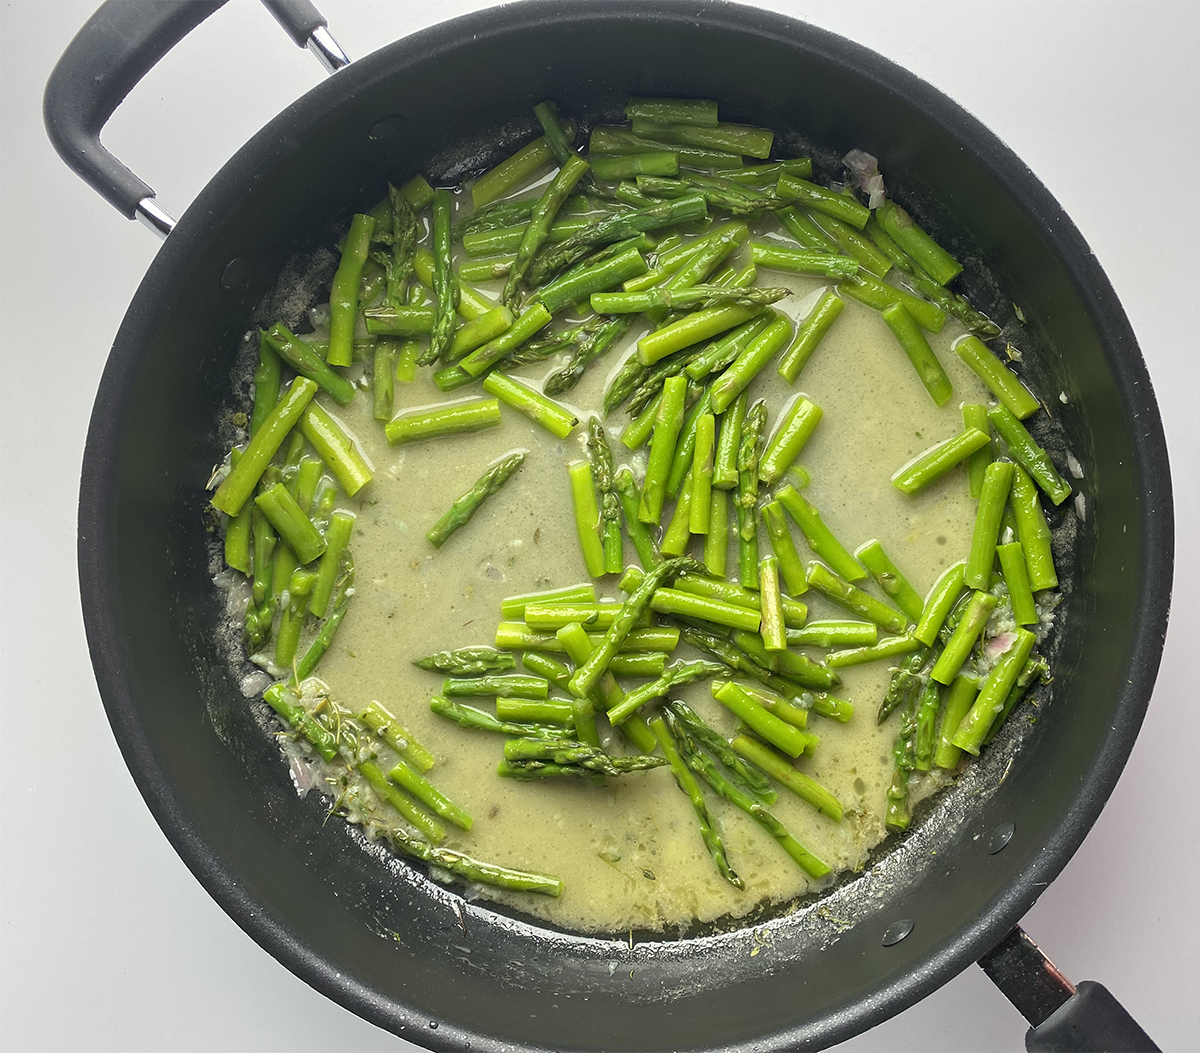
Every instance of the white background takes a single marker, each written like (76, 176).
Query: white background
(107, 941)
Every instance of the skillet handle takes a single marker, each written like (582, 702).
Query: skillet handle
(114, 50)
(1065, 1018)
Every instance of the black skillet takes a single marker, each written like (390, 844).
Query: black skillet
(459, 975)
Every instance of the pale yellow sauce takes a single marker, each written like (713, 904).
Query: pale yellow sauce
(630, 853)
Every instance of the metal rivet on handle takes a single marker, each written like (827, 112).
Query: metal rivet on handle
(895, 932)
(386, 127)
(236, 275)
(1000, 837)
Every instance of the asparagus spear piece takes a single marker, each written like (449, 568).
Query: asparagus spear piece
(450, 418)
(383, 379)
(445, 284)
(795, 428)
(833, 633)
(539, 409)
(747, 777)
(696, 295)
(429, 795)
(819, 537)
(266, 383)
(399, 268)
(580, 284)
(430, 828)
(975, 416)
(598, 340)
(343, 296)
(691, 329)
(1033, 531)
(880, 295)
(817, 198)
(530, 321)
(668, 422)
(639, 535)
(573, 169)
(674, 111)
(716, 541)
(774, 637)
(588, 674)
(479, 720)
(841, 592)
(284, 701)
(497, 685)
(626, 166)
(535, 710)
(928, 254)
(896, 814)
(1035, 667)
(512, 171)
(1004, 384)
(809, 335)
(959, 700)
(803, 786)
(774, 257)
(934, 462)
(560, 138)
(889, 578)
(958, 647)
(729, 442)
(800, 226)
(337, 449)
(1029, 455)
(796, 667)
(289, 519)
(747, 495)
(517, 636)
(997, 482)
(600, 456)
(904, 686)
(757, 353)
(910, 338)
(566, 752)
(763, 722)
(405, 320)
(471, 869)
(731, 138)
(465, 507)
(243, 477)
(291, 621)
(320, 643)
(396, 735)
(686, 781)
(925, 735)
(513, 607)
(615, 228)
(587, 516)
(999, 682)
(337, 538)
(308, 363)
(468, 661)
(605, 140)
(703, 766)
(701, 472)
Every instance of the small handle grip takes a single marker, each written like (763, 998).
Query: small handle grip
(1091, 1019)
(114, 50)
(299, 18)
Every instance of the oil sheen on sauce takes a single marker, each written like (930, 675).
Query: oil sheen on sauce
(630, 853)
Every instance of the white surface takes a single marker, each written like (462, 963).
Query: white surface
(107, 940)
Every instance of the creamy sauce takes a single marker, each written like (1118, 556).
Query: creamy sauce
(630, 853)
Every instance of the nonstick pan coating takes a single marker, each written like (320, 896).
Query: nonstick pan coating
(220, 792)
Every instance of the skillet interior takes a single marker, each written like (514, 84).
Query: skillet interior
(391, 945)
